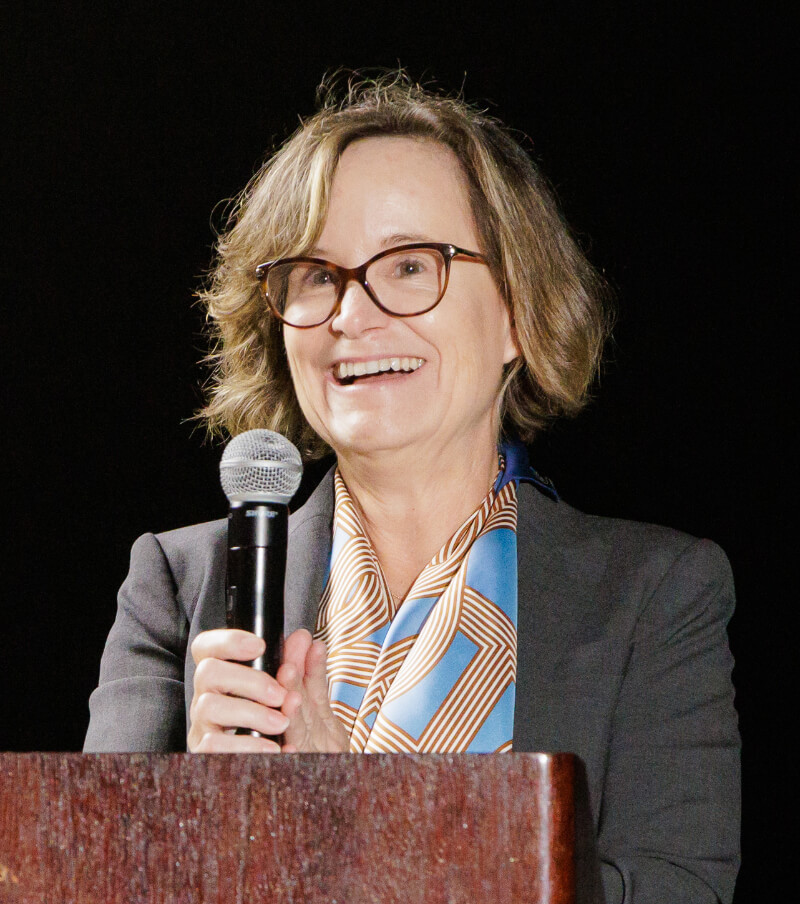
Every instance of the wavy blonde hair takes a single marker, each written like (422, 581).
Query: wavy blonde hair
(558, 302)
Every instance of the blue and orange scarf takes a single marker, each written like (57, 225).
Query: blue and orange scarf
(437, 672)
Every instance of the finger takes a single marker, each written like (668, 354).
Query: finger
(227, 643)
(292, 703)
(316, 674)
(214, 742)
(317, 691)
(295, 649)
(231, 678)
(299, 733)
(216, 712)
(292, 681)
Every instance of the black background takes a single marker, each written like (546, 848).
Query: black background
(665, 130)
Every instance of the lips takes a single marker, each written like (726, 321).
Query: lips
(348, 372)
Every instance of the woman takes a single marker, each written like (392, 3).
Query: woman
(397, 286)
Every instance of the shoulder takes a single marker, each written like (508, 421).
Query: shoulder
(188, 548)
(193, 551)
(194, 539)
(617, 558)
(198, 541)
(190, 558)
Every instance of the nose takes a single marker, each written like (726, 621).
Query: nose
(357, 312)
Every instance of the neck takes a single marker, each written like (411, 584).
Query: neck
(412, 501)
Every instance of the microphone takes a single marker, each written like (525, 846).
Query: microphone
(260, 471)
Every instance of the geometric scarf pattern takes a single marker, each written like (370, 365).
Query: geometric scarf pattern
(436, 672)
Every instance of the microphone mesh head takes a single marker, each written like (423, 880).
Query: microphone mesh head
(260, 466)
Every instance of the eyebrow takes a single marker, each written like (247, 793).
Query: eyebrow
(396, 238)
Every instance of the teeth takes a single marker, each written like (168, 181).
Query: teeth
(383, 365)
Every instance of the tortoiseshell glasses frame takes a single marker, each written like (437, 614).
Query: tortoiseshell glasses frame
(444, 253)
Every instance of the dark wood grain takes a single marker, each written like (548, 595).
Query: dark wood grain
(101, 829)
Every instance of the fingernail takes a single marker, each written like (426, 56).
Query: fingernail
(254, 646)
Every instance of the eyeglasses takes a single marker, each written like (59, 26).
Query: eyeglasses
(404, 281)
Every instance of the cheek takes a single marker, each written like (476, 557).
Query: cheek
(469, 383)
(304, 376)
(480, 343)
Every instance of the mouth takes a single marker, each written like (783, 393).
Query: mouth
(346, 373)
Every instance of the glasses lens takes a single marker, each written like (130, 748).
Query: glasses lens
(303, 294)
(408, 282)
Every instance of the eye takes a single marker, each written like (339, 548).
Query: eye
(315, 277)
(408, 266)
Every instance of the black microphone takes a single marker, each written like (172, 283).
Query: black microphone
(260, 471)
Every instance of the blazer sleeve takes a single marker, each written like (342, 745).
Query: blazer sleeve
(670, 810)
(139, 703)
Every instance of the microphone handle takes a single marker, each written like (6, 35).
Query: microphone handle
(257, 535)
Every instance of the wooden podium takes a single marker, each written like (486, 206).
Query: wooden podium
(311, 828)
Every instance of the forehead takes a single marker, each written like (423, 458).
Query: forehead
(387, 156)
(403, 185)
(401, 148)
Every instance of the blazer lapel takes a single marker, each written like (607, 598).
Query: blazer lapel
(307, 557)
(534, 547)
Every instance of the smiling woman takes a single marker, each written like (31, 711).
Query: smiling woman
(451, 403)
(397, 285)
(556, 300)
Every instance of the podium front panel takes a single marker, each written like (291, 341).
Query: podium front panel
(344, 828)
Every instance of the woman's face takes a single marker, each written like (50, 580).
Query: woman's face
(386, 192)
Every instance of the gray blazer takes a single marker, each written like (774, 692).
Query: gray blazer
(623, 659)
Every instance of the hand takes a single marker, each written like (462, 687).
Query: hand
(313, 726)
(229, 695)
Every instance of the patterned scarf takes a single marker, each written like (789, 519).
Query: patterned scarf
(435, 673)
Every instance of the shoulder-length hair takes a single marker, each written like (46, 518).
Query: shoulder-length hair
(558, 302)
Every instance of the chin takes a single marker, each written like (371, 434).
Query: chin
(365, 431)
(369, 445)
(370, 439)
